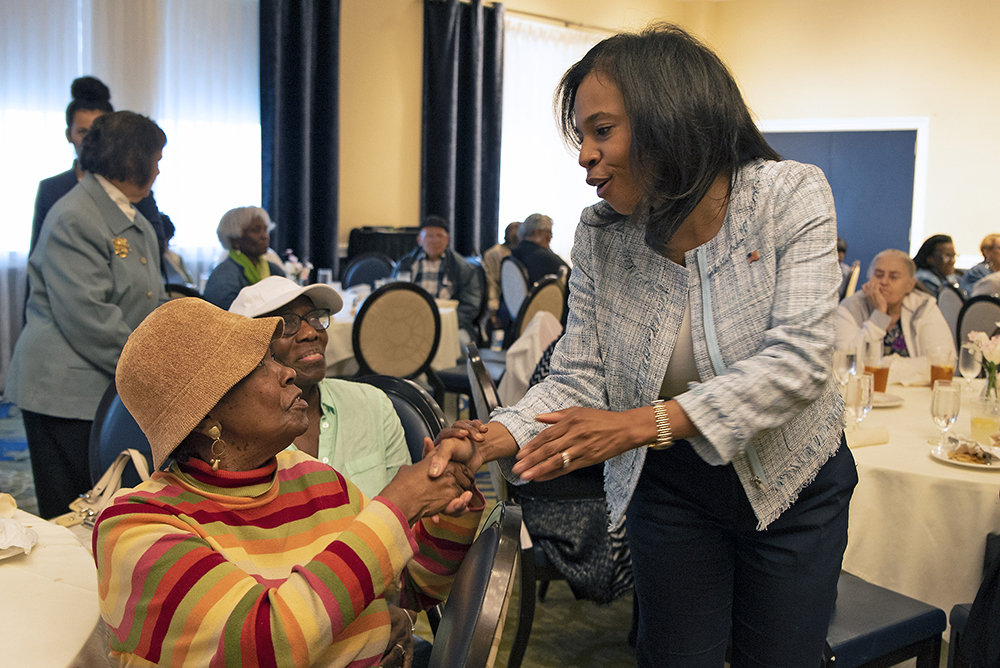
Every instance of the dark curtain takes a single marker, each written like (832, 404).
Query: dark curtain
(463, 86)
(299, 64)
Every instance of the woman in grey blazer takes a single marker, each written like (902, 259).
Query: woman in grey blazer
(94, 275)
(696, 360)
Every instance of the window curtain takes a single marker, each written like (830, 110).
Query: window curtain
(299, 47)
(463, 87)
(550, 181)
(191, 65)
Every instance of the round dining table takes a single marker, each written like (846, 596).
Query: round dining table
(48, 599)
(918, 524)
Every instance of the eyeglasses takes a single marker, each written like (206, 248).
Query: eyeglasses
(318, 320)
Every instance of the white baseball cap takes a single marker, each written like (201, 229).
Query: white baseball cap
(276, 291)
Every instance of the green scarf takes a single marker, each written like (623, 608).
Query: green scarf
(253, 272)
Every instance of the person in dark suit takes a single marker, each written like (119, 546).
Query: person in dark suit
(91, 99)
(94, 275)
(533, 250)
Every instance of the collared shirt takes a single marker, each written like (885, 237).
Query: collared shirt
(118, 197)
(360, 434)
(430, 275)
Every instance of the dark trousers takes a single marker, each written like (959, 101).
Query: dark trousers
(703, 573)
(59, 460)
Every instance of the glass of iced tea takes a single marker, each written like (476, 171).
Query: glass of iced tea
(942, 361)
(875, 364)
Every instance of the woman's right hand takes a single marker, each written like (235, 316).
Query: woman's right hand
(419, 495)
(875, 297)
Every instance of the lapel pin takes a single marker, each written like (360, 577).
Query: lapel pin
(753, 257)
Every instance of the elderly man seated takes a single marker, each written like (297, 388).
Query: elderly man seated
(352, 426)
(444, 273)
(534, 250)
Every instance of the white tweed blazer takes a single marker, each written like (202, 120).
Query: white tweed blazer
(771, 276)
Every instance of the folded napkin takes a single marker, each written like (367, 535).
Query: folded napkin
(859, 438)
(15, 538)
(909, 371)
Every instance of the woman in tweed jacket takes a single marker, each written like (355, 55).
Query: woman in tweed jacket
(706, 284)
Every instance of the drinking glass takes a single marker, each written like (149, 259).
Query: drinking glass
(324, 276)
(946, 401)
(942, 359)
(969, 363)
(873, 363)
(845, 365)
(858, 396)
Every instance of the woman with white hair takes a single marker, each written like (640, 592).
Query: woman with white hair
(243, 232)
(908, 322)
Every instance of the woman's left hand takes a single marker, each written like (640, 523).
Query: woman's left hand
(578, 437)
(399, 653)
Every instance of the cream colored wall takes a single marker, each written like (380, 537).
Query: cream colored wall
(891, 58)
(793, 59)
(381, 61)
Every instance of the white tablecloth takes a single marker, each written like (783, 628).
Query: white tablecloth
(340, 353)
(918, 526)
(48, 599)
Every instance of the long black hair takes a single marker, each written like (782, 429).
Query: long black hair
(688, 118)
(927, 249)
(89, 94)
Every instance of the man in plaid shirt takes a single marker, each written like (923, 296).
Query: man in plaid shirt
(444, 273)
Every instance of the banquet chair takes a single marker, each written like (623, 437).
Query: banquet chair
(852, 282)
(950, 301)
(548, 294)
(176, 291)
(514, 286)
(979, 314)
(397, 332)
(367, 268)
(959, 616)
(419, 414)
(473, 617)
(537, 570)
(484, 300)
(874, 627)
(114, 429)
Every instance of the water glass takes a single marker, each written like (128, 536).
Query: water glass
(845, 365)
(324, 276)
(946, 401)
(969, 363)
(858, 396)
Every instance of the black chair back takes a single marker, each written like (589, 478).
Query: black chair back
(114, 430)
(420, 415)
(484, 301)
(367, 268)
(980, 314)
(477, 605)
(176, 291)
(397, 331)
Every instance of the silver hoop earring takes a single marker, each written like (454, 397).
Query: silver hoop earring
(216, 435)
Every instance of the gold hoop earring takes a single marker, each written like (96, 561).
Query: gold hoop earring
(216, 435)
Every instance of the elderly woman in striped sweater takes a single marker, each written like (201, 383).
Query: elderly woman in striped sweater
(241, 553)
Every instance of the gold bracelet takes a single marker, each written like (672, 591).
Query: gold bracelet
(664, 436)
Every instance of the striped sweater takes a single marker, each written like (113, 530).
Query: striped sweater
(286, 565)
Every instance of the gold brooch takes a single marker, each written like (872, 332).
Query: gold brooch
(121, 246)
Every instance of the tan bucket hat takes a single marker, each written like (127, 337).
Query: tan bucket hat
(181, 360)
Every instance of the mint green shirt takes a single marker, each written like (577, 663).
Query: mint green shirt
(360, 434)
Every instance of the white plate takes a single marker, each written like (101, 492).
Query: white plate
(940, 453)
(883, 400)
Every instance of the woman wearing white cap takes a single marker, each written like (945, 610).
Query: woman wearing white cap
(352, 426)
